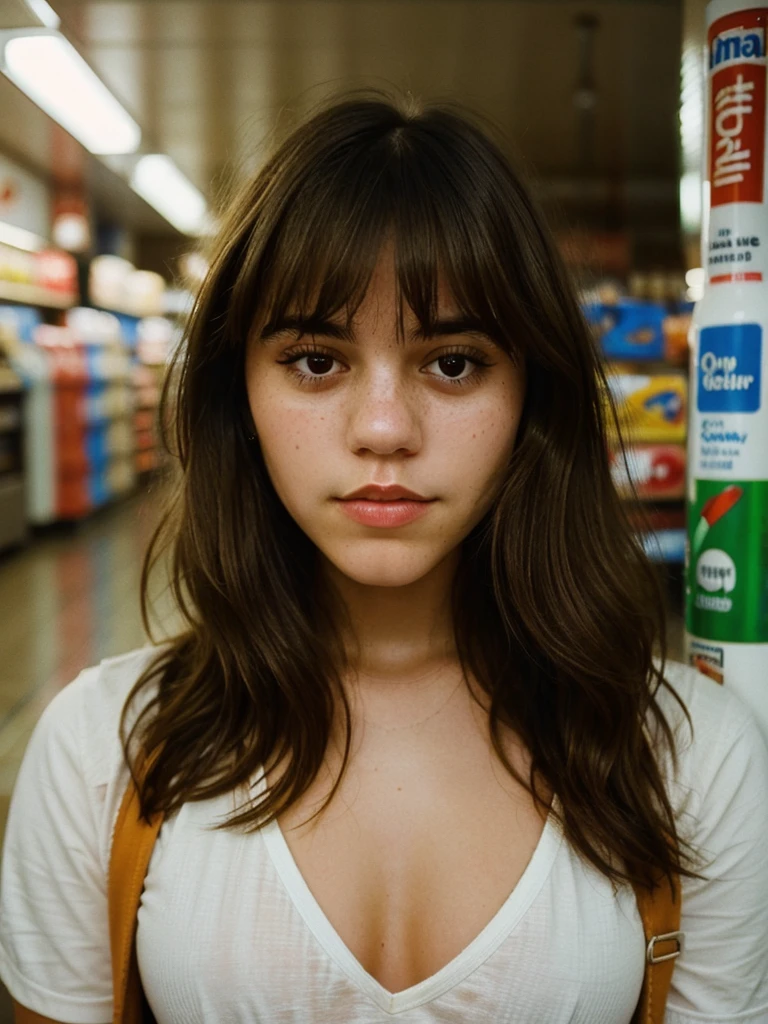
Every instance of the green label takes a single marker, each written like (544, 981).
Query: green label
(727, 561)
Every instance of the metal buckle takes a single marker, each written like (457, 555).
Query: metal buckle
(667, 937)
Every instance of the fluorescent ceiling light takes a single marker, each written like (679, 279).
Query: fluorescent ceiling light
(158, 180)
(53, 74)
(44, 12)
(20, 238)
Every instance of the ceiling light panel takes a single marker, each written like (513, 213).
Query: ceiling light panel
(158, 180)
(52, 73)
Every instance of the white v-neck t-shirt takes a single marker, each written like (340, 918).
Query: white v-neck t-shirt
(228, 930)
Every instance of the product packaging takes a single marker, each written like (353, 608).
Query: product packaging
(727, 556)
(650, 408)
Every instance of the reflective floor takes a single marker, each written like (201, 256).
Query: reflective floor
(69, 599)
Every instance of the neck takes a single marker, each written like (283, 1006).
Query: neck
(394, 634)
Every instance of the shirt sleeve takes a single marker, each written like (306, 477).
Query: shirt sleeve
(722, 974)
(54, 935)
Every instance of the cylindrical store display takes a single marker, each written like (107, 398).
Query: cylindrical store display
(727, 551)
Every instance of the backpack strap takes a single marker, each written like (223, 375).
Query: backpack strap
(132, 843)
(660, 912)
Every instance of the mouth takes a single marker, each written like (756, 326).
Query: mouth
(385, 513)
(384, 493)
(389, 501)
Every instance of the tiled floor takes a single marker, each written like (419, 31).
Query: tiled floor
(71, 598)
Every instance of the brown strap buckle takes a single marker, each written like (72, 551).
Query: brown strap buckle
(651, 955)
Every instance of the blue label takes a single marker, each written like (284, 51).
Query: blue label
(729, 368)
(736, 45)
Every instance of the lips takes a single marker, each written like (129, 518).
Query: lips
(379, 492)
(385, 514)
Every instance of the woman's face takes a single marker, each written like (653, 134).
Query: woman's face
(373, 410)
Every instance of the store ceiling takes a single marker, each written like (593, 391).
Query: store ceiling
(208, 79)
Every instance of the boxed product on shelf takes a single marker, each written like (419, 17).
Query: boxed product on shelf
(110, 399)
(156, 339)
(649, 407)
(56, 273)
(21, 320)
(657, 471)
(116, 285)
(68, 375)
(629, 329)
(121, 475)
(638, 330)
(48, 277)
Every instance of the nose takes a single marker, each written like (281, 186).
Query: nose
(384, 415)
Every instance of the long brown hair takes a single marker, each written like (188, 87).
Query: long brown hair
(557, 612)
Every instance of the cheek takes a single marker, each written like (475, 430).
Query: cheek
(293, 443)
(482, 438)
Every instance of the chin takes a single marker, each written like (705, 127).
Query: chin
(393, 565)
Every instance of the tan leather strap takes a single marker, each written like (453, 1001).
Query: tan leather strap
(132, 843)
(664, 941)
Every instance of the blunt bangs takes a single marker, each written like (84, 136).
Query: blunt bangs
(398, 183)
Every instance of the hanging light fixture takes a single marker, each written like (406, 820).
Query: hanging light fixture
(157, 179)
(46, 67)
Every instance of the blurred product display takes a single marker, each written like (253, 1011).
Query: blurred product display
(644, 344)
(115, 284)
(79, 396)
(46, 278)
(156, 339)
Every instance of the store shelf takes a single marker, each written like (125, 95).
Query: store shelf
(32, 295)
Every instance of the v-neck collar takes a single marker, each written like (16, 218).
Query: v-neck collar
(463, 964)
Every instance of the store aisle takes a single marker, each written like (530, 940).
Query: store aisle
(66, 601)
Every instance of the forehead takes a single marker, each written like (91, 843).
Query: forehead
(404, 285)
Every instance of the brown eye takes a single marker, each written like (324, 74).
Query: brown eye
(452, 365)
(319, 363)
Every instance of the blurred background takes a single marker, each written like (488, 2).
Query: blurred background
(122, 125)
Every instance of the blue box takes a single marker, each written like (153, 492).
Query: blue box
(631, 329)
(24, 319)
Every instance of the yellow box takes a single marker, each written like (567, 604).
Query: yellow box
(650, 408)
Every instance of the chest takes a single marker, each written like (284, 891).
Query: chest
(229, 930)
(419, 848)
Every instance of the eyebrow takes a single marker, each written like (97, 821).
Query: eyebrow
(331, 329)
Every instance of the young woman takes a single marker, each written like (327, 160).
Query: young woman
(418, 739)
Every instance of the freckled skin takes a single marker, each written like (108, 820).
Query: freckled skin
(378, 418)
